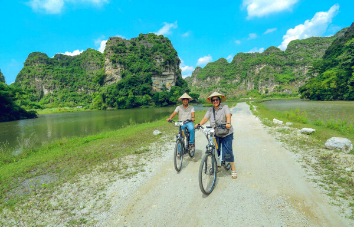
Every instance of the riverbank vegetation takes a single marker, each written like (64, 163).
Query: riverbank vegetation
(64, 160)
(332, 170)
(10, 104)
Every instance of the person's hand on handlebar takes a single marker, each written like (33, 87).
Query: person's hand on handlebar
(168, 119)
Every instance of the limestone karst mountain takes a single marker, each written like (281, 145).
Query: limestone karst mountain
(148, 64)
(272, 71)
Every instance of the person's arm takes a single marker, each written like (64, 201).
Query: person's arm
(193, 116)
(228, 121)
(202, 122)
(172, 116)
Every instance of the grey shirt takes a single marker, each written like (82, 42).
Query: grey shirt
(220, 115)
(184, 113)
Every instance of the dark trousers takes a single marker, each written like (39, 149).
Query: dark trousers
(225, 143)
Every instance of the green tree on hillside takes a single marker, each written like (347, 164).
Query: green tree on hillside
(9, 111)
(334, 80)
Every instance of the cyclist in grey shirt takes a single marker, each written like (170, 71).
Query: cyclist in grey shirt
(222, 116)
(186, 112)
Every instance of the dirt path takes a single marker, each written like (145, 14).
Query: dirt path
(271, 189)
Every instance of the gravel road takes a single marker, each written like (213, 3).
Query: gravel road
(272, 188)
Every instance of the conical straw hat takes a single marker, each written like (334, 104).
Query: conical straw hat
(222, 97)
(185, 96)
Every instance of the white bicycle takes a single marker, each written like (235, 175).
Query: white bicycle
(210, 162)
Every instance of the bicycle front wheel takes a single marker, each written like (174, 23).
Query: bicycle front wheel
(207, 174)
(178, 155)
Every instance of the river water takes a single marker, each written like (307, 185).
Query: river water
(17, 135)
(316, 110)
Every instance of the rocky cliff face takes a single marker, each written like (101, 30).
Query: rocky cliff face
(157, 50)
(271, 71)
(149, 56)
(47, 75)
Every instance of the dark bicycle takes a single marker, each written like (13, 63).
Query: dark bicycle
(182, 144)
(210, 162)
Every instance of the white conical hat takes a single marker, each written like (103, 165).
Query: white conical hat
(216, 94)
(185, 96)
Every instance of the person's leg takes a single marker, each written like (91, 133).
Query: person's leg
(218, 141)
(190, 127)
(183, 127)
(229, 156)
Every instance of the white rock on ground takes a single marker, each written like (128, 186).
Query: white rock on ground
(276, 121)
(156, 132)
(339, 143)
(307, 131)
(289, 123)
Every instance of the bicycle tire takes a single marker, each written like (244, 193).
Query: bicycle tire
(178, 156)
(191, 152)
(207, 174)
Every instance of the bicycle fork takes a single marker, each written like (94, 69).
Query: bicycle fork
(213, 142)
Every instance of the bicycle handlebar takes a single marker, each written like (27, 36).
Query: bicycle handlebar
(184, 122)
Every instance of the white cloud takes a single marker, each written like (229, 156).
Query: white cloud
(254, 50)
(75, 52)
(252, 36)
(186, 70)
(317, 26)
(238, 42)
(229, 58)
(102, 42)
(260, 8)
(165, 30)
(48, 6)
(204, 60)
(102, 46)
(56, 6)
(186, 34)
(270, 30)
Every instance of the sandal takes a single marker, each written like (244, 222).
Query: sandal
(233, 174)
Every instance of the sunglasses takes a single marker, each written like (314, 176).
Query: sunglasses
(215, 100)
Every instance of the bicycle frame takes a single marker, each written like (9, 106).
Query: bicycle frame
(209, 134)
(181, 135)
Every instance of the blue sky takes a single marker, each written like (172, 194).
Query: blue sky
(200, 31)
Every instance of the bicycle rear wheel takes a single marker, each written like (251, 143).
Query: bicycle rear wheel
(191, 152)
(178, 155)
(207, 174)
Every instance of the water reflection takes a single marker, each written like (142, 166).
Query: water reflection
(46, 128)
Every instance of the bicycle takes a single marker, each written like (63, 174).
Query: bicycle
(209, 164)
(182, 144)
